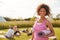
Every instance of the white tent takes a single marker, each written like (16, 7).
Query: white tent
(2, 19)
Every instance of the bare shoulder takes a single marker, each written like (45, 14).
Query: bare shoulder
(48, 22)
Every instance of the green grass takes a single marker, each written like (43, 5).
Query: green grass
(25, 37)
(22, 37)
(57, 32)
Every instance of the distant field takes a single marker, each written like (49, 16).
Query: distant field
(25, 37)
(24, 24)
(5, 25)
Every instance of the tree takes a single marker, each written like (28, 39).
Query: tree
(58, 16)
(33, 18)
(7, 18)
(27, 19)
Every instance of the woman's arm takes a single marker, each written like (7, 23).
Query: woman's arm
(51, 28)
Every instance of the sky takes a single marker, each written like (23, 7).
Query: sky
(26, 8)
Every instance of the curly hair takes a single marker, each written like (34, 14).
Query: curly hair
(46, 7)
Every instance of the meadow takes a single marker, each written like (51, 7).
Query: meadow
(25, 37)
(26, 24)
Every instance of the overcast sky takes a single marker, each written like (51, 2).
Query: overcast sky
(26, 8)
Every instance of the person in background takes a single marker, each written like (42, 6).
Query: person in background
(10, 33)
(26, 30)
(17, 32)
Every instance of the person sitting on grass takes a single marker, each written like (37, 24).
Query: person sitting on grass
(17, 32)
(10, 33)
(25, 30)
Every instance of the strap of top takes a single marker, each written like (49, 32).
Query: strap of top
(38, 20)
(45, 21)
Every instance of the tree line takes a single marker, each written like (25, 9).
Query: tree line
(28, 19)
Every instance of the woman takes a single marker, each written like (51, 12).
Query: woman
(42, 24)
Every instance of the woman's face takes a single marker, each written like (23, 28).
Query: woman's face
(42, 12)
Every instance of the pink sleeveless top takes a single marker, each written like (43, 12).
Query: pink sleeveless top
(37, 27)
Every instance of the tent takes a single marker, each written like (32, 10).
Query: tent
(2, 19)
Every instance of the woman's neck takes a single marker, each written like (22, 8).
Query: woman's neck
(42, 18)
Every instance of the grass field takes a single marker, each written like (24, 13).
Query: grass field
(25, 37)
(23, 24)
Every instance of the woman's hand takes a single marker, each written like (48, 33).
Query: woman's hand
(49, 35)
(45, 36)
